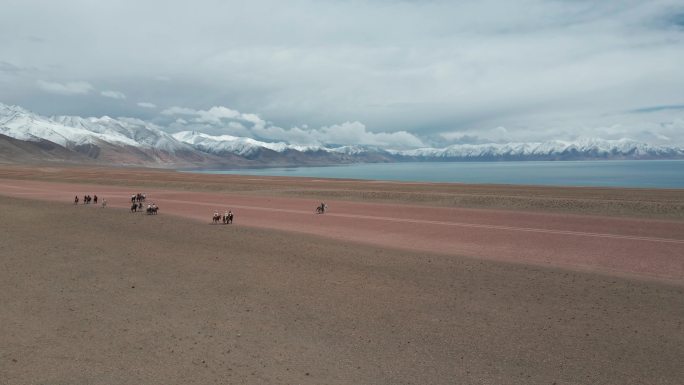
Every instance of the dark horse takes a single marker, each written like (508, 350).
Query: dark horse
(228, 218)
(216, 218)
(134, 207)
(152, 210)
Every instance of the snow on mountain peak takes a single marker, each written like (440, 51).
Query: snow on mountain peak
(67, 131)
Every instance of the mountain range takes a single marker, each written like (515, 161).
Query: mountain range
(28, 137)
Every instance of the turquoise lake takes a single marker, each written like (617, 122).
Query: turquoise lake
(612, 173)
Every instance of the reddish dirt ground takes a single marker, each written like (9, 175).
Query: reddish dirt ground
(628, 246)
(396, 284)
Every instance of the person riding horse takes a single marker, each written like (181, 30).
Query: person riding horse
(152, 209)
(321, 209)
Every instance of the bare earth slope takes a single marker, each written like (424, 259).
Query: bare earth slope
(101, 296)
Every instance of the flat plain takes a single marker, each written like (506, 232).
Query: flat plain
(397, 284)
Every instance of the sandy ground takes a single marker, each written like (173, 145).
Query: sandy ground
(632, 246)
(643, 203)
(377, 291)
(101, 296)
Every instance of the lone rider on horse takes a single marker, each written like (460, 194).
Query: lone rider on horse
(321, 209)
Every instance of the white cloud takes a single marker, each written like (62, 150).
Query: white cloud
(351, 133)
(179, 111)
(346, 134)
(146, 105)
(214, 115)
(69, 88)
(113, 94)
(224, 120)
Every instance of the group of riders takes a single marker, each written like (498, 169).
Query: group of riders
(87, 199)
(138, 199)
(226, 218)
(151, 208)
(137, 204)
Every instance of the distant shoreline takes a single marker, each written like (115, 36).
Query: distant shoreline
(664, 203)
(656, 174)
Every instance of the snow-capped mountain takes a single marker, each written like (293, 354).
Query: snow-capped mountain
(133, 132)
(582, 149)
(67, 131)
(122, 141)
(134, 141)
(236, 145)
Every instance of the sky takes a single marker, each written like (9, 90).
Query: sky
(393, 73)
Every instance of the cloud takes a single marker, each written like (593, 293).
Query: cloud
(539, 68)
(146, 105)
(113, 94)
(179, 111)
(351, 133)
(10, 68)
(644, 110)
(69, 88)
(220, 119)
(346, 134)
(214, 115)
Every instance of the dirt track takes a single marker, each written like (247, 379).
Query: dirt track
(640, 247)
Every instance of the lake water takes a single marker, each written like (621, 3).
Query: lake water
(617, 173)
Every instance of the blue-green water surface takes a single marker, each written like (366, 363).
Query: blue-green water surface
(612, 173)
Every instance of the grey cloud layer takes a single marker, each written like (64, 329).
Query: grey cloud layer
(490, 70)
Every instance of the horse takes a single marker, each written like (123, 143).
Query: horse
(227, 219)
(152, 210)
(134, 207)
(321, 209)
(216, 218)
